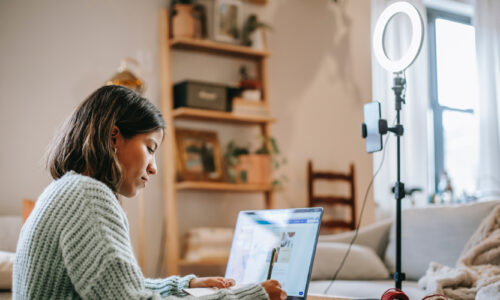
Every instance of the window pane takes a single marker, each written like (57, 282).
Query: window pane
(460, 150)
(456, 64)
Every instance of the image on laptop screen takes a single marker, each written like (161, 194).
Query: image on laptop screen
(292, 233)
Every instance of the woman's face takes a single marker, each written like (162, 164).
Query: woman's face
(137, 159)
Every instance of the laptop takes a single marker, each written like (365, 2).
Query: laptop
(277, 244)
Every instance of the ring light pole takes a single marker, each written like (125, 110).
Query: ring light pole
(397, 68)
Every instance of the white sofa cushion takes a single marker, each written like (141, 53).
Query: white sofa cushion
(6, 266)
(362, 262)
(10, 227)
(437, 233)
(375, 236)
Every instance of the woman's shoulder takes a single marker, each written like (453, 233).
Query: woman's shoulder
(84, 183)
(74, 186)
(77, 193)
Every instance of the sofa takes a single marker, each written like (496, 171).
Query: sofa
(436, 233)
(10, 227)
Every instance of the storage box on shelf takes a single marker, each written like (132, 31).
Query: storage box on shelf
(172, 259)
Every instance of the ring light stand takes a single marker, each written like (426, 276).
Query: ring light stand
(397, 67)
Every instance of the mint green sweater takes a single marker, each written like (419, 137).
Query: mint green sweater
(75, 245)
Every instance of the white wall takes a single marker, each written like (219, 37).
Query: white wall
(320, 78)
(54, 53)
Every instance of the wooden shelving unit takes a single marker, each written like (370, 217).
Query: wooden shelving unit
(172, 259)
(219, 116)
(221, 186)
(217, 48)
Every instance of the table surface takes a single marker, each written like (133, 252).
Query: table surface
(325, 297)
(330, 297)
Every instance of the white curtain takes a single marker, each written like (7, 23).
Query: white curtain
(415, 158)
(487, 27)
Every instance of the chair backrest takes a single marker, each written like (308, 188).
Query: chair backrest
(28, 206)
(325, 201)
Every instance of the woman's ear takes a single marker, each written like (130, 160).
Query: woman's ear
(115, 132)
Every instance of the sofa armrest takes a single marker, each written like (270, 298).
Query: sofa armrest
(362, 263)
(10, 227)
(375, 236)
(436, 233)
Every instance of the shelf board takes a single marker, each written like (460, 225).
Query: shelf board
(222, 186)
(214, 262)
(217, 48)
(219, 116)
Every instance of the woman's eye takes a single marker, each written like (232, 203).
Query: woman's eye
(150, 150)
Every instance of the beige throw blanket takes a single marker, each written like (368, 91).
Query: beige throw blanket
(477, 273)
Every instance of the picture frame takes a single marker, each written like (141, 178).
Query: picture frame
(227, 25)
(198, 155)
(261, 2)
(210, 14)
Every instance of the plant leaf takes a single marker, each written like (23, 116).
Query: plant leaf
(274, 144)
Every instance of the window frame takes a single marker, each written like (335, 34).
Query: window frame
(437, 109)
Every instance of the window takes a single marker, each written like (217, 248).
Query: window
(454, 99)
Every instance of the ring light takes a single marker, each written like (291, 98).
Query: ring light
(416, 41)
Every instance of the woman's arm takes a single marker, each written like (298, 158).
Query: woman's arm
(172, 285)
(100, 262)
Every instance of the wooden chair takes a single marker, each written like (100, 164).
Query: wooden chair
(329, 223)
(28, 206)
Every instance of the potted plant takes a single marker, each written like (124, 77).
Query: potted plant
(253, 33)
(244, 166)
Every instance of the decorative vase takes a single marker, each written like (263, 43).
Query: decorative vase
(254, 169)
(258, 39)
(183, 23)
(127, 76)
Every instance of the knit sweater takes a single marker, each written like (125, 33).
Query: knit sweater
(76, 245)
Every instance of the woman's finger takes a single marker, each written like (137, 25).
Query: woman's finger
(219, 282)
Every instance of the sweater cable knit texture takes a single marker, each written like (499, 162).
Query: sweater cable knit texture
(76, 245)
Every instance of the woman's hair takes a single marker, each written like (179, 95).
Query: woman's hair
(84, 142)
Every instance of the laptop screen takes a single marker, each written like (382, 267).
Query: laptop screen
(279, 244)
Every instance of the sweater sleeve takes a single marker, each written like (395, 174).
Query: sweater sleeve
(100, 263)
(172, 285)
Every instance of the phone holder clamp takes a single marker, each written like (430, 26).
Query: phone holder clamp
(383, 128)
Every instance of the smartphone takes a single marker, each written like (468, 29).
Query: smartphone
(370, 127)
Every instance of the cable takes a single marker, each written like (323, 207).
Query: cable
(435, 297)
(395, 294)
(334, 277)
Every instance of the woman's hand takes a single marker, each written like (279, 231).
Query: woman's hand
(273, 289)
(216, 282)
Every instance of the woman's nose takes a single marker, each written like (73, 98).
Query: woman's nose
(152, 167)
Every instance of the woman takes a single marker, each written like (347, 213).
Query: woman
(75, 244)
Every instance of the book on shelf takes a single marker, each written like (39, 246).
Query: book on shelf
(250, 108)
(208, 243)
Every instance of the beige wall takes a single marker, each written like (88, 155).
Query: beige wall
(54, 53)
